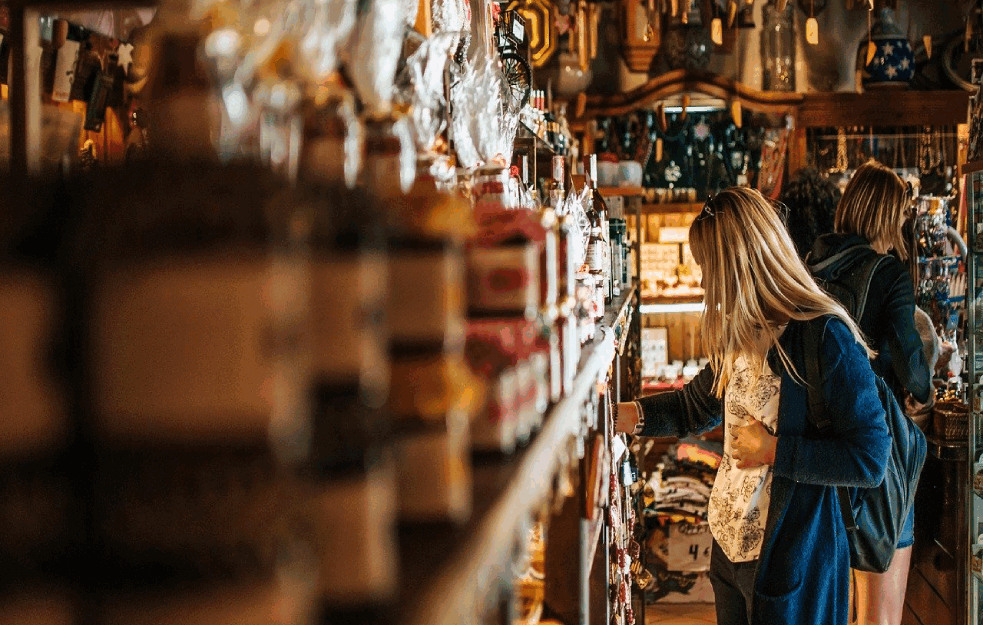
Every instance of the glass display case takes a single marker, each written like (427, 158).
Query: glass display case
(974, 365)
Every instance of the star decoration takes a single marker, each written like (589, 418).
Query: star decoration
(125, 52)
(891, 71)
(888, 49)
(905, 63)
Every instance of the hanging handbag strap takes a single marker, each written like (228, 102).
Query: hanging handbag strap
(817, 414)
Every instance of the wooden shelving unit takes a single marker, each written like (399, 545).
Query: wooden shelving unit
(621, 191)
(448, 572)
(883, 107)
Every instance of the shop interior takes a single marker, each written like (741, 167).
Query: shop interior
(316, 311)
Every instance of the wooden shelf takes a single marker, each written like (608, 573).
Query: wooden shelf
(682, 81)
(971, 167)
(621, 191)
(884, 107)
(687, 299)
(671, 208)
(448, 571)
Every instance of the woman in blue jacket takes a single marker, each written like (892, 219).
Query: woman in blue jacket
(780, 552)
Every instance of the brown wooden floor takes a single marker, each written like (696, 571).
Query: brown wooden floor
(680, 614)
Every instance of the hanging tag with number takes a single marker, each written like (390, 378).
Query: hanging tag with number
(812, 31)
(717, 31)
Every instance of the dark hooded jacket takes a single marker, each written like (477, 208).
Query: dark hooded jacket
(888, 320)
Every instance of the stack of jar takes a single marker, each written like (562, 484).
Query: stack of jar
(505, 295)
(431, 397)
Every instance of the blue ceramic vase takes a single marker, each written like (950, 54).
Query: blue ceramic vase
(893, 64)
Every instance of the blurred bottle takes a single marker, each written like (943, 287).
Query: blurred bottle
(192, 290)
(350, 507)
(38, 505)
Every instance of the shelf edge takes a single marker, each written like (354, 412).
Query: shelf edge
(459, 587)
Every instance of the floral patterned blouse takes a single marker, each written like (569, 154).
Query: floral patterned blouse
(739, 502)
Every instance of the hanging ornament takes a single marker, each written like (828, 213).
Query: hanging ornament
(659, 148)
(812, 31)
(675, 7)
(927, 40)
(660, 116)
(717, 31)
(731, 13)
(812, 26)
(686, 101)
(737, 113)
(871, 46)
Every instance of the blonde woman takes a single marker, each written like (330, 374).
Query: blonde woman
(868, 225)
(780, 551)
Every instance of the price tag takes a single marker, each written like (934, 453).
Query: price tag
(717, 31)
(65, 70)
(812, 31)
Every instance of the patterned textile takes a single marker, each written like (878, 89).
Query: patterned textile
(739, 505)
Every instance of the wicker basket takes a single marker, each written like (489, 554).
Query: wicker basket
(950, 420)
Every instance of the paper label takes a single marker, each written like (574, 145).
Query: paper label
(347, 302)
(190, 349)
(812, 31)
(32, 407)
(428, 287)
(65, 63)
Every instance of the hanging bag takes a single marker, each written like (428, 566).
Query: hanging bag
(874, 517)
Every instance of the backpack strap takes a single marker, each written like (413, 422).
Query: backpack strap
(864, 276)
(812, 340)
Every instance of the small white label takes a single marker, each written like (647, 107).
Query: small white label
(347, 296)
(812, 31)
(65, 62)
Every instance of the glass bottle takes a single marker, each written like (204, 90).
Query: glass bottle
(778, 48)
(193, 292)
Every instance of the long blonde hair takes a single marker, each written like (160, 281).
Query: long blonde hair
(873, 206)
(753, 279)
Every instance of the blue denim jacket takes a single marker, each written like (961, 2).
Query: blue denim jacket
(803, 570)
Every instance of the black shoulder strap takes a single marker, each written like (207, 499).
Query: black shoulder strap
(812, 339)
(865, 276)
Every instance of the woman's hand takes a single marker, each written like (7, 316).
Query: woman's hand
(627, 417)
(753, 445)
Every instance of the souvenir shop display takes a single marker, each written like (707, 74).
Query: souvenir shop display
(325, 307)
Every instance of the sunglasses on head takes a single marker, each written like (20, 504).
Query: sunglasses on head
(710, 209)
